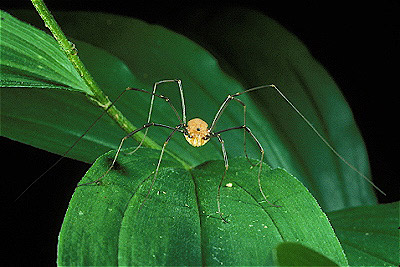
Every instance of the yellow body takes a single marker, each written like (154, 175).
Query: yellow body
(198, 132)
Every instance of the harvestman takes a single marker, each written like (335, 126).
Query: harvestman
(197, 134)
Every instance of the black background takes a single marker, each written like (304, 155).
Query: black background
(355, 43)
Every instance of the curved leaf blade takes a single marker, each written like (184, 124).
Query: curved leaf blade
(114, 76)
(31, 58)
(178, 223)
(294, 254)
(202, 79)
(155, 54)
(53, 119)
(256, 50)
(369, 235)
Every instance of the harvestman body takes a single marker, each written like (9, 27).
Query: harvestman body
(197, 133)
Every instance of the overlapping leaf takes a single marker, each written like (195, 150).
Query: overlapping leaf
(41, 114)
(294, 254)
(153, 53)
(30, 59)
(369, 235)
(256, 50)
(178, 225)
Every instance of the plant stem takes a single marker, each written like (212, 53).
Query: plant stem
(98, 95)
(69, 50)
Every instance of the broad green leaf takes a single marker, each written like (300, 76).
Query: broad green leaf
(178, 224)
(369, 235)
(54, 119)
(29, 58)
(295, 254)
(67, 115)
(153, 53)
(256, 50)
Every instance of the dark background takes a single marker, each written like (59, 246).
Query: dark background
(356, 44)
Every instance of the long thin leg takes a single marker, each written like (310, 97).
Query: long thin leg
(158, 164)
(179, 82)
(221, 110)
(231, 97)
(146, 126)
(312, 128)
(244, 130)
(260, 168)
(247, 129)
(153, 94)
(73, 145)
(223, 177)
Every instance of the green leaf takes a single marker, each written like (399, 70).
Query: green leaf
(29, 58)
(256, 50)
(153, 53)
(54, 119)
(369, 235)
(178, 224)
(68, 115)
(295, 254)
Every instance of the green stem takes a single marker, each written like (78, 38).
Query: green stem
(70, 51)
(98, 95)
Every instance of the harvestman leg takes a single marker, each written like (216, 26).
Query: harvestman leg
(221, 110)
(244, 123)
(146, 126)
(177, 128)
(153, 94)
(223, 177)
(233, 97)
(246, 129)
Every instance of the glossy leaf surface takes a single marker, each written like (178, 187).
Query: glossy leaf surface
(178, 225)
(29, 58)
(369, 235)
(153, 53)
(256, 50)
